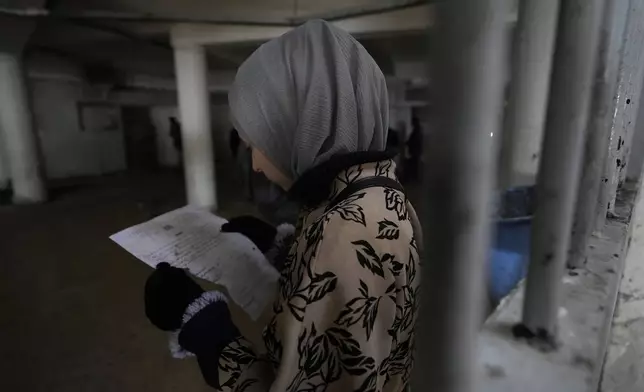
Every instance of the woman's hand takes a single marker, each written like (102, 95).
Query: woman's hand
(262, 234)
(208, 328)
(174, 302)
(168, 292)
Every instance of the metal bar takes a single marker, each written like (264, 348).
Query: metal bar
(601, 115)
(460, 168)
(559, 170)
(625, 113)
(533, 46)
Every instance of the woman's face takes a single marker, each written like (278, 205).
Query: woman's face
(261, 164)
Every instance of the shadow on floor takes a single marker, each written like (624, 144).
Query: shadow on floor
(72, 300)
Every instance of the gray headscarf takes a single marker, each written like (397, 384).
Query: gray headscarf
(309, 95)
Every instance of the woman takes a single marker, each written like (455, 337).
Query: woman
(312, 105)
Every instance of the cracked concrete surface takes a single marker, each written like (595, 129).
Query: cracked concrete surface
(586, 308)
(623, 368)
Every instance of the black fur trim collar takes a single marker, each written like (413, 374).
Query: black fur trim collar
(313, 187)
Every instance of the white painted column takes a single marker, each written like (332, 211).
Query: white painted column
(534, 42)
(20, 140)
(194, 110)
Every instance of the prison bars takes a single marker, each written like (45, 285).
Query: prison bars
(460, 168)
(460, 165)
(562, 154)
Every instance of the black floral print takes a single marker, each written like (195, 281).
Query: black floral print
(324, 357)
(349, 210)
(233, 359)
(273, 345)
(383, 168)
(306, 287)
(345, 178)
(351, 175)
(362, 308)
(394, 202)
(388, 230)
(347, 295)
(369, 259)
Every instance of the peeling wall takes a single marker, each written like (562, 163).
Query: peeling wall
(636, 159)
(70, 151)
(67, 150)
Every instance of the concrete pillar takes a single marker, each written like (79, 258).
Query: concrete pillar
(560, 167)
(599, 126)
(636, 160)
(534, 43)
(194, 109)
(16, 124)
(625, 113)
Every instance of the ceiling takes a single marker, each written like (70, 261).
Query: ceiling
(133, 35)
(218, 10)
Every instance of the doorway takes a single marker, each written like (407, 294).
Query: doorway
(140, 138)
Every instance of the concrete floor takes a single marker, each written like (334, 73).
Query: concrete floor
(72, 301)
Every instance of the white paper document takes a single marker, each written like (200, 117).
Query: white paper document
(191, 238)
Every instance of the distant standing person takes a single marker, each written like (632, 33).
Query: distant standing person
(175, 134)
(415, 149)
(392, 140)
(242, 158)
(401, 148)
(234, 141)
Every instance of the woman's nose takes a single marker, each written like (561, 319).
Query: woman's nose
(256, 168)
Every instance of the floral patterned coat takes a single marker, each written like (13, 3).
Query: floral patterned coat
(347, 303)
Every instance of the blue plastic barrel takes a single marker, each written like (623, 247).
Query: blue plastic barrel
(510, 253)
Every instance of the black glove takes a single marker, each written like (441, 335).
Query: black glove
(168, 292)
(170, 295)
(206, 334)
(261, 233)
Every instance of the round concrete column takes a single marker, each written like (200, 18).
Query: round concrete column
(20, 141)
(194, 109)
